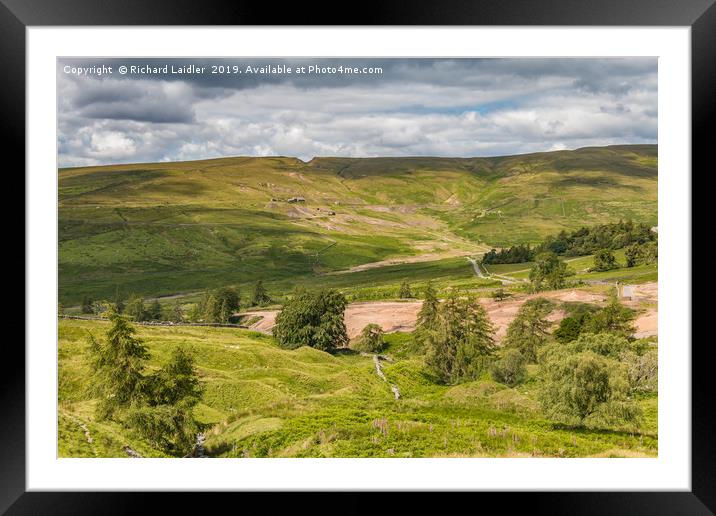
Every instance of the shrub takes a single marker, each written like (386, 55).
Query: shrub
(500, 294)
(511, 369)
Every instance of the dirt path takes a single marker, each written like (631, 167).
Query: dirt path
(475, 266)
(428, 257)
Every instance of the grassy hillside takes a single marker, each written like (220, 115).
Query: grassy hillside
(165, 228)
(261, 400)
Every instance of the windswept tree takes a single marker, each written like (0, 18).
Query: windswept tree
(312, 318)
(117, 364)
(529, 330)
(548, 272)
(459, 347)
(260, 297)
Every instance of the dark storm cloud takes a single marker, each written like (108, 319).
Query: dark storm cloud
(459, 107)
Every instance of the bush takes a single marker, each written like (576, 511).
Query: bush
(511, 369)
(312, 319)
(370, 340)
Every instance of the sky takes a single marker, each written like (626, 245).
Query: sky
(412, 107)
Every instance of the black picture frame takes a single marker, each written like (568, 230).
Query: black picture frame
(700, 15)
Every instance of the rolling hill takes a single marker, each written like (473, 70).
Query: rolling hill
(165, 228)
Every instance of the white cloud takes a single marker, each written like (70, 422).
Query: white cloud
(504, 112)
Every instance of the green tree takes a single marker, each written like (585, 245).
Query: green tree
(260, 296)
(568, 330)
(548, 272)
(632, 255)
(405, 292)
(529, 330)
(605, 344)
(177, 314)
(220, 304)
(428, 314)
(613, 318)
(642, 370)
(460, 346)
(154, 312)
(60, 308)
(118, 300)
(86, 307)
(212, 309)
(587, 389)
(312, 318)
(135, 309)
(604, 260)
(225, 312)
(167, 418)
(510, 369)
(371, 339)
(117, 364)
(176, 382)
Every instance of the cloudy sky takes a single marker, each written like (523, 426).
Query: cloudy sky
(429, 107)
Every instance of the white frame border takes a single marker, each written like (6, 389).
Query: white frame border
(671, 470)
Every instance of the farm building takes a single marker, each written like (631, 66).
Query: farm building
(296, 199)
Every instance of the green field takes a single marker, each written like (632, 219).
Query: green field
(263, 401)
(364, 226)
(581, 265)
(166, 228)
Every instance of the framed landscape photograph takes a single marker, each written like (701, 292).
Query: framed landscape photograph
(362, 258)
